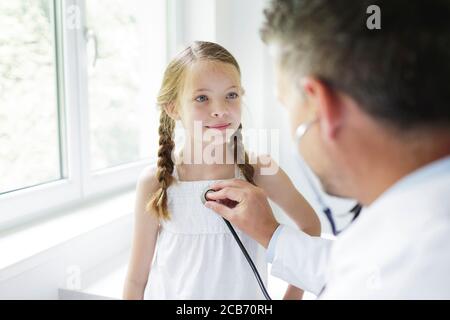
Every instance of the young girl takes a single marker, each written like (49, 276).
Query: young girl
(181, 249)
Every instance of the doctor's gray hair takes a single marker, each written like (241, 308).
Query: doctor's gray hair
(399, 74)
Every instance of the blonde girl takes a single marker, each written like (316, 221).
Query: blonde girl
(181, 249)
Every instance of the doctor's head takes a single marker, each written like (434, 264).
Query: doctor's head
(365, 90)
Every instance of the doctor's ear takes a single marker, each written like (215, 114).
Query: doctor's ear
(172, 111)
(327, 104)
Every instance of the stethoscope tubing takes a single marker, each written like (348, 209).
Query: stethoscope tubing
(242, 247)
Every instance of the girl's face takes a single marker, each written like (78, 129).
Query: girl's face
(210, 103)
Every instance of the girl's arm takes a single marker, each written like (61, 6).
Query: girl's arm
(145, 234)
(280, 189)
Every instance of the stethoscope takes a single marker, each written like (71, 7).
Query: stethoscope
(300, 132)
(244, 251)
(356, 209)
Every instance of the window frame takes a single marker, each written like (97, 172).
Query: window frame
(109, 179)
(77, 183)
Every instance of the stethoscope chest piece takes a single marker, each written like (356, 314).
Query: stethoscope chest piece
(204, 193)
(231, 204)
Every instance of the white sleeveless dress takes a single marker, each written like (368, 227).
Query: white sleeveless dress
(196, 255)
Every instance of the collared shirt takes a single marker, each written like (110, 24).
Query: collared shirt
(273, 241)
(399, 234)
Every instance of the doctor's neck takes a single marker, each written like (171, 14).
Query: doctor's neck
(385, 161)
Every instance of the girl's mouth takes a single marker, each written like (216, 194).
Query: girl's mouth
(220, 126)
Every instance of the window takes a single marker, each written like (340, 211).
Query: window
(119, 81)
(29, 132)
(78, 85)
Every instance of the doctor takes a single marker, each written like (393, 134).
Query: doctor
(374, 110)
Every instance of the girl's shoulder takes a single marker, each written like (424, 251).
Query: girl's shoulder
(147, 180)
(269, 175)
(272, 179)
(264, 165)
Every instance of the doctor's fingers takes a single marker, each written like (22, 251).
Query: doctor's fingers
(231, 193)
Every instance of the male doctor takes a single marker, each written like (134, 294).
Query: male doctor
(375, 104)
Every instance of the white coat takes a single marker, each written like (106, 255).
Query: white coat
(399, 247)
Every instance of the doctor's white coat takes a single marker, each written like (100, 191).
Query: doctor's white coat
(399, 247)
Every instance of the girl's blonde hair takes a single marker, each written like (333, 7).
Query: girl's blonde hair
(172, 85)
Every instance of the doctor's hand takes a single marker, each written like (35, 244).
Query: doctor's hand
(251, 212)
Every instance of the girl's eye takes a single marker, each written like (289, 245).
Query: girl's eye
(202, 98)
(232, 95)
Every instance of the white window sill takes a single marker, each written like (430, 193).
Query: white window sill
(26, 241)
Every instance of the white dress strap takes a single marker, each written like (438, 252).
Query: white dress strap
(237, 172)
(175, 172)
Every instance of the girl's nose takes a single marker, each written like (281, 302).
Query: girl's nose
(219, 112)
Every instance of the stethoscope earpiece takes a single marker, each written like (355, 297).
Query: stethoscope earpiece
(299, 134)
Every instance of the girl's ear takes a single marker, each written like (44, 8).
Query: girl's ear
(172, 111)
